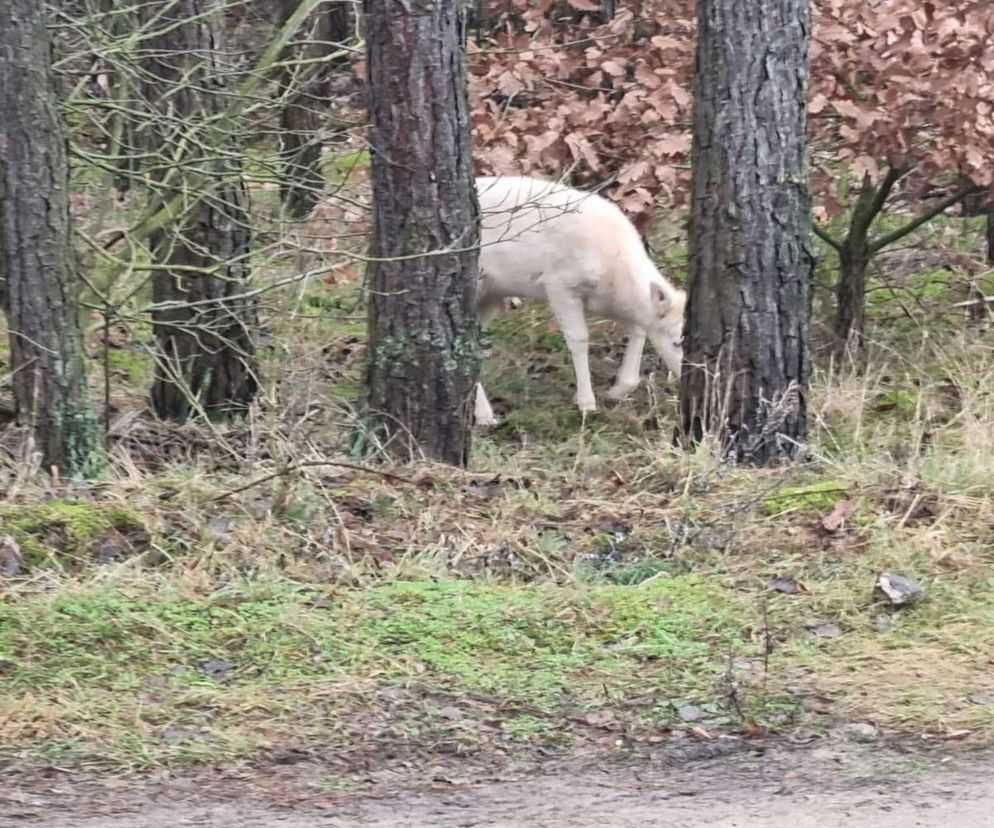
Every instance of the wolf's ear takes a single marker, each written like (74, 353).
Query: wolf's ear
(662, 298)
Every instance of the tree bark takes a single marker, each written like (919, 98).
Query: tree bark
(747, 358)
(206, 353)
(36, 254)
(424, 350)
(307, 87)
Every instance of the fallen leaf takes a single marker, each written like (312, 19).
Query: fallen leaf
(833, 521)
(846, 108)
(788, 586)
(613, 68)
(482, 491)
(113, 548)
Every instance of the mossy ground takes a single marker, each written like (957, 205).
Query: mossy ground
(582, 582)
(65, 535)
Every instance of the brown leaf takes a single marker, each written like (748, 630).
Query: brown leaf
(584, 5)
(633, 172)
(613, 68)
(833, 521)
(818, 103)
(580, 148)
(865, 165)
(680, 95)
(846, 108)
(509, 84)
(788, 586)
(645, 76)
(661, 42)
(483, 489)
(673, 145)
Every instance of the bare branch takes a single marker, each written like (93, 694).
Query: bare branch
(825, 237)
(880, 243)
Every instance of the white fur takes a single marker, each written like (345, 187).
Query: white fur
(578, 252)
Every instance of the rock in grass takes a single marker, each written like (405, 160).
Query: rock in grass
(981, 697)
(690, 713)
(10, 556)
(899, 590)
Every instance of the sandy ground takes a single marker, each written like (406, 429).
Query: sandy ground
(848, 787)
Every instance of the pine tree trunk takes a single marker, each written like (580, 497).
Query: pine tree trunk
(424, 351)
(304, 114)
(206, 353)
(36, 254)
(746, 346)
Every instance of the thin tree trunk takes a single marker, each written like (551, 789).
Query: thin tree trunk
(850, 297)
(990, 232)
(424, 351)
(476, 18)
(854, 258)
(304, 113)
(747, 357)
(858, 247)
(206, 352)
(123, 153)
(36, 254)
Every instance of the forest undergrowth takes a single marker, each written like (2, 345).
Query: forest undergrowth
(241, 590)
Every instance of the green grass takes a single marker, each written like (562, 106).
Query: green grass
(105, 663)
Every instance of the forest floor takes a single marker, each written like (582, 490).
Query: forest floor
(262, 622)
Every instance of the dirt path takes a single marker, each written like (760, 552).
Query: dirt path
(849, 788)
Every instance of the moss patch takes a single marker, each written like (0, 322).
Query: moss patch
(811, 499)
(70, 534)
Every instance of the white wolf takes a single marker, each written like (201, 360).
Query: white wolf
(577, 251)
